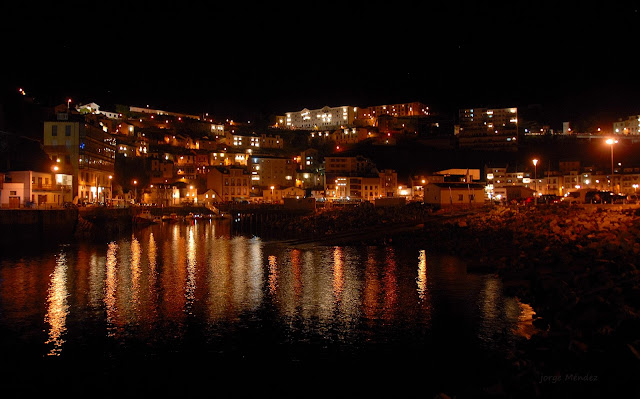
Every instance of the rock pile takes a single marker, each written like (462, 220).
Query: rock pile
(325, 222)
(578, 267)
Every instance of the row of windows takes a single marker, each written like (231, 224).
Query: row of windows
(233, 191)
(240, 182)
(67, 130)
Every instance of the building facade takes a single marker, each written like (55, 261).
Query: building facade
(83, 151)
(269, 171)
(627, 127)
(321, 119)
(454, 194)
(230, 184)
(35, 189)
(369, 115)
(495, 128)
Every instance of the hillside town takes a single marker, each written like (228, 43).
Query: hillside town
(141, 155)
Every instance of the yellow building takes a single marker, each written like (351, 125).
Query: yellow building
(231, 184)
(83, 151)
(454, 194)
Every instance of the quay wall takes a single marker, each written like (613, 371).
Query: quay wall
(20, 224)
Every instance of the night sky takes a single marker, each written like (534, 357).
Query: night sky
(252, 59)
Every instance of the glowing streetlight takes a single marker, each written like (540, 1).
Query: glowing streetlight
(110, 187)
(135, 184)
(535, 178)
(611, 142)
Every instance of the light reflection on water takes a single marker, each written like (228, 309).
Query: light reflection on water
(58, 307)
(162, 283)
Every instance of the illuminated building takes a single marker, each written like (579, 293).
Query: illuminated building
(130, 147)
(85, 152)
(309, 159)
(309, 179)
(388, 183)
(454, 194)
(321, 119)
(627, 127)
(418, 183)
(350, 135)
(370, 115)
(485, 128)
(501, 181)
(18, 188)
(230, 184)
(343, 176)
(94, 108)
(271, 171)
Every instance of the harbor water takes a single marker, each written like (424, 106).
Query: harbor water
(184, 307)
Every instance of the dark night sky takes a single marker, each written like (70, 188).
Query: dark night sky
(254, 58)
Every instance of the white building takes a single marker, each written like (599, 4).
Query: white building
(31, 188)
(94, 108)
(321, 119)
(627, 127)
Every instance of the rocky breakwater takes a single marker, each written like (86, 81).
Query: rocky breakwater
(103, 222)
(578, 267)
(363, 223)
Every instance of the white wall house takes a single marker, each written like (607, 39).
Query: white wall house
(320, 119)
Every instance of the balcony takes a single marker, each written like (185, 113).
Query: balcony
(49, 187)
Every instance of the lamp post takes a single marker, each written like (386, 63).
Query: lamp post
(611, 142)
(110, 189)
(535, 178)
(55, 169)
(135, 185)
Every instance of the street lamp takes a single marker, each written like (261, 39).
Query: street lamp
(110, 189)
(55, 169)
(135, 185)
(535, 178)
(611, 142)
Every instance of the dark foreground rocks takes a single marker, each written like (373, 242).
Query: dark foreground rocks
(578, 268)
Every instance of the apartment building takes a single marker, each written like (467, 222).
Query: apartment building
(321, 119)
(370, 115)
(485, 128)
(32, 188)
(83, 151)
(269, 171)
(627, 127)
(230, 184)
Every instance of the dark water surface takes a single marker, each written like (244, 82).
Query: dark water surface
(188, 309)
